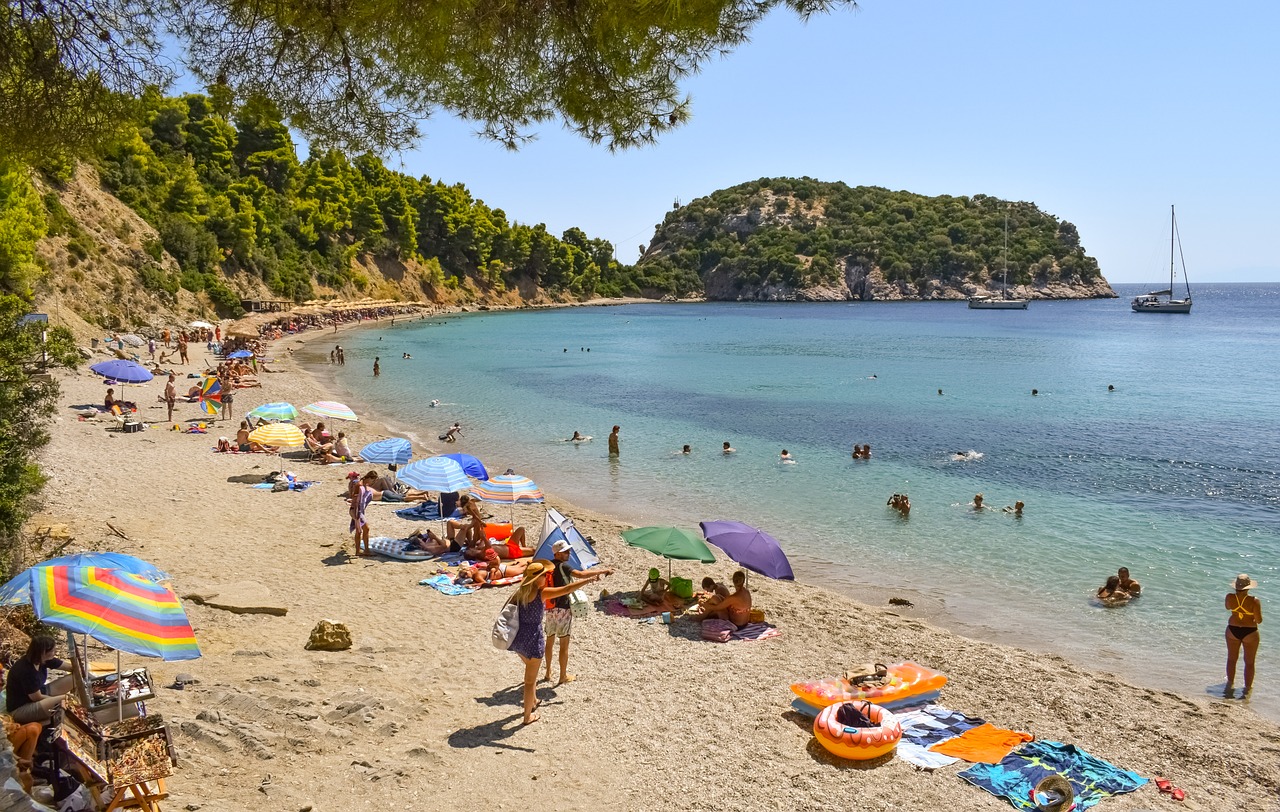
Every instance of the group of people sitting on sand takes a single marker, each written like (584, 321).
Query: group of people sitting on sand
(714, 601)
(327, 450)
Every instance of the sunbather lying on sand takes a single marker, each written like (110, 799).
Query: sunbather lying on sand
(482, 573)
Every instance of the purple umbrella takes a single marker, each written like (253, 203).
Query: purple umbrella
(752, 548)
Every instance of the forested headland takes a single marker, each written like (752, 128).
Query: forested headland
(800, 238)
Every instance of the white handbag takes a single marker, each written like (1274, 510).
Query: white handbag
(506, 626)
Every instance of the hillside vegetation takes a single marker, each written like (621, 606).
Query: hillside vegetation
(235, 211)
(782, 238)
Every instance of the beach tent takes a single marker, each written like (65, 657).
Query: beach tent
(557, 526)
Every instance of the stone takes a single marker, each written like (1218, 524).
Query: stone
(241, 597)
(329, 636)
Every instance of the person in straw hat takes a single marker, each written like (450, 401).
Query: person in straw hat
(1242, 631)
(529, 641)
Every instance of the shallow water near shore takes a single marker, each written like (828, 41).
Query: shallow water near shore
(1174, 474)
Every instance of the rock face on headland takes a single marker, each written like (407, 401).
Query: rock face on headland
(787, 239)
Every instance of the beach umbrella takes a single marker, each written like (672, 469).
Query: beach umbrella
(669, 542)
(123, 371)
(210, 395)
(203, 325)
(435, 474)
(280, 435)
(18, 591)
(241, 354)
(274, 411)
(330, 408)
(386, 452)
(510, 489)
(751, 547)
(471, 466)
(127, 612)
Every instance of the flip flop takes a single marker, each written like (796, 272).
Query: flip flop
(1164, 784)
(1178, 794)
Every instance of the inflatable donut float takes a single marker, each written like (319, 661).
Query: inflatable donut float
(857, 743)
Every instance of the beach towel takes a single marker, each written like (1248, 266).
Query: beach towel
(398, 548)
(756, 631)
(445, 584)
(422, 512)
(927, 726)
(985, 744)
(717, 631)
(1013, 779)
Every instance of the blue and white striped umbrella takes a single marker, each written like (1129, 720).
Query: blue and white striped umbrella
(385, 452)
(435, 474)
(274, 411)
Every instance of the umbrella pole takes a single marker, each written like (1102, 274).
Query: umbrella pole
(119, 690)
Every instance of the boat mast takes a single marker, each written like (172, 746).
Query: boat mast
(1004, 278)
(1173, 227)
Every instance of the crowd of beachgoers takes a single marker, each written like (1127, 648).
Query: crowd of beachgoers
(422, 703)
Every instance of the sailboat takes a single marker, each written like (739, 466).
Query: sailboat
(1152, 303)
(1004, 302)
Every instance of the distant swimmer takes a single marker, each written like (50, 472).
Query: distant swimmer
(1110, 388)
(686, 450)
(871, 377)
(977, 502)
(579, 438)
(434, 403)
(406, 355)
(1035, 392)
(966, 456)
(900, 502)
(939, 391)
(1111, 594)
(1016, 509)
(613, 441)
(786, 457)
(728, 449)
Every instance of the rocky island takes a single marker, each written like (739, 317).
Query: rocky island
(800, 239)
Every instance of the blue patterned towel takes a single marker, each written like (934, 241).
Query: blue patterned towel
(445, 584)
(1016, 776)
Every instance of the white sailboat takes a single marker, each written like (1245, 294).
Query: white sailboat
(1151, 302)
(1004, 302)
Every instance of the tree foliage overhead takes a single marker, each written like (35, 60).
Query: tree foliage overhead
(361, 74)
(798, 232)
(228, 194)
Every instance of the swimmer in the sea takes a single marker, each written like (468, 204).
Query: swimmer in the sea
(939, 391)
(1016, 509)
(1110, 388)
(728, 449)
(977, 502)
(1035, 392)
(785, 456)
(576, 436)
(686, 450)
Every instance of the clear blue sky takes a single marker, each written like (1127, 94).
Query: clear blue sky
(1102, 113)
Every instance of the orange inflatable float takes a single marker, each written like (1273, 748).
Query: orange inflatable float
(905, 680)
(497, 532)
(837, 729)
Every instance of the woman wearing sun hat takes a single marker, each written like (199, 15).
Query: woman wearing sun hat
(529, 641)
(1242, 631)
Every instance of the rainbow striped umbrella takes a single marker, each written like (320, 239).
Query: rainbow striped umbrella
(511, 489)
(329, 408)
(127, 612)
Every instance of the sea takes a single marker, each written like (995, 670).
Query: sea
(1174, 473)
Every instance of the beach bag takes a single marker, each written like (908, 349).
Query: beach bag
(682, 587)
(578, 603)
(756, 616)
(506, 626)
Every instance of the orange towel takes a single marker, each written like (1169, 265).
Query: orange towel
(987, 744)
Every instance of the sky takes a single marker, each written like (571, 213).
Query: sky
(1102, 112)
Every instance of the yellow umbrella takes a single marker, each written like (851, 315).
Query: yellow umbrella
(280, 435)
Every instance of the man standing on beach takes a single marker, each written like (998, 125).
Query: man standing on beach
(182, 347)
(377, 369)
(613, 441)
(559, 618)
(170, 395)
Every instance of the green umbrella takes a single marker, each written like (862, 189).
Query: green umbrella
(670, 542)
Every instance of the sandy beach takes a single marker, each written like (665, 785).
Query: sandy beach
(422, 713)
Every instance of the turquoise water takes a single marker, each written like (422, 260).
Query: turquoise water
(1175, 474)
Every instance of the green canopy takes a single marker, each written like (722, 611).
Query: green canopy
(670, 542)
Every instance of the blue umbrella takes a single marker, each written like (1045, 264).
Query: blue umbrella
(471, 466)
(435, 474)
(18, 591)
(241, 354)
(388, 451)
(122, 371)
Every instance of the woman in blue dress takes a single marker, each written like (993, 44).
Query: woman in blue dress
(530, 642)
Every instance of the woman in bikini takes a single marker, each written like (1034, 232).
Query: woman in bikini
(1242, 631)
